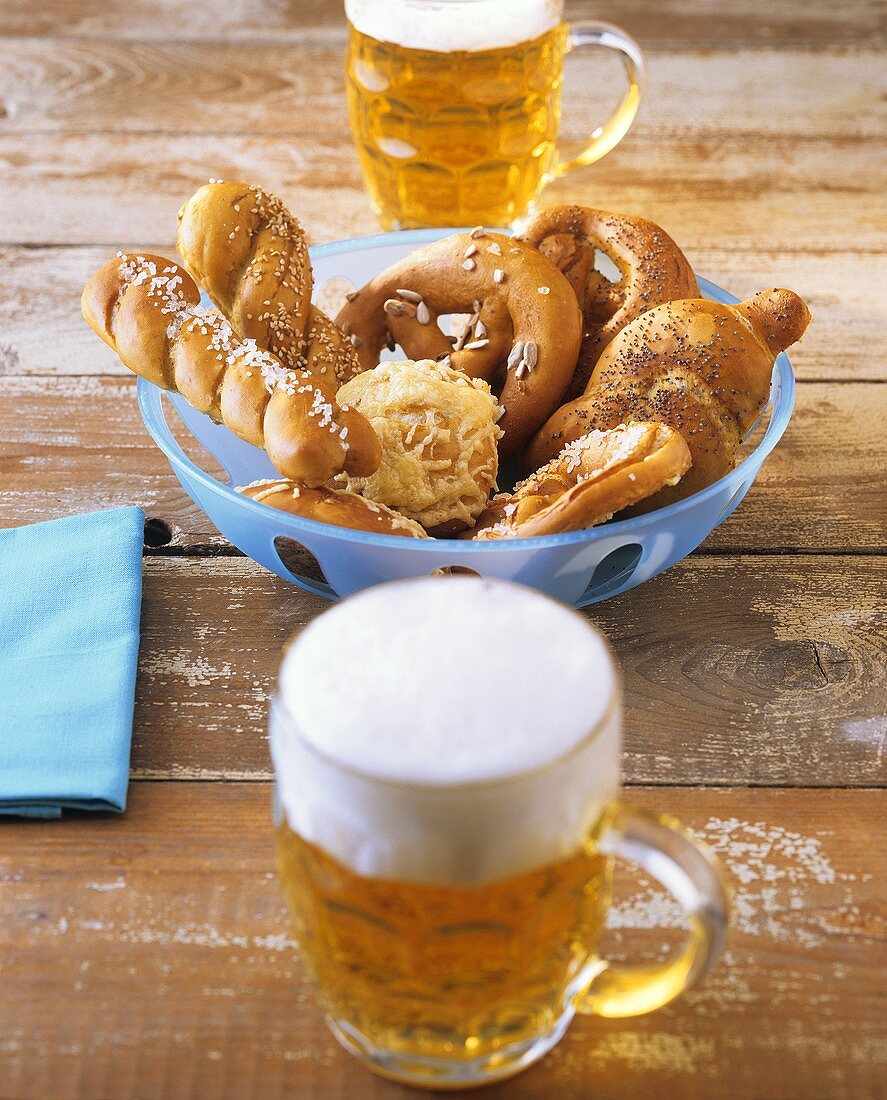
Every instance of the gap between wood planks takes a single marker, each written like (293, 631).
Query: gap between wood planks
(254, 777)
(336, 36)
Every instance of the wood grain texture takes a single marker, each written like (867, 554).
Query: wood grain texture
(770, 193)
(149, 956)
(776, 678)
(42, 331)
(78, 443)
(791, 22)
(49, 84)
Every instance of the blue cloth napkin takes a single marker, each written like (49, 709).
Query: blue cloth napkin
(70, 596)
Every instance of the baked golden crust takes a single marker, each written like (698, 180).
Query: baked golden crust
(591, 479)
(249, 254)
(336, 506)
(652, 270)
(525, 325)
(438, 434)
(147, 309)
(701, 367)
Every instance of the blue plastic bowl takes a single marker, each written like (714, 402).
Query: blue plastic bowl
(580, 568)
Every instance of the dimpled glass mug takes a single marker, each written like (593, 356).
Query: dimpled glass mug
(455, 105)
(447, 758)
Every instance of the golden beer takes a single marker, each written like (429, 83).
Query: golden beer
(444, 971)
(446, 752)
(455, 114)
(455, 138)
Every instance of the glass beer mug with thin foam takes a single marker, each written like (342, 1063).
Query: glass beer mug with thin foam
(455, 105)
(447, 806)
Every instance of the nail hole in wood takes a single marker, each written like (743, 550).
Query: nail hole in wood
(157, 532)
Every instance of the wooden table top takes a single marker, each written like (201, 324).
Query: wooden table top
(149, 955)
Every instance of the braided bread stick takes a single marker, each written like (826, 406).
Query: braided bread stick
(249, 254)
(148, 310)
(701, 367)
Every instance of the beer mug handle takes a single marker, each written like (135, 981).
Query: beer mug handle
(608, 136)
(694, 879)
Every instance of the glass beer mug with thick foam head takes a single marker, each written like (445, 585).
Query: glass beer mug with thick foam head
(455, 105)
(447, 760)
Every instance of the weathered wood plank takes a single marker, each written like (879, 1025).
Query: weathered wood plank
(42, 332)
(761, 670)
(808, 482)
(262, 88)
(149, 956)
(76, 443)
(771, 193)
(756, 21)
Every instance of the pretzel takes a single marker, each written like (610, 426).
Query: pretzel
(524, 330)
(703, 368)
(249, 254)
(593, 477)
(652, 270)
(148, 310)
(336, 506)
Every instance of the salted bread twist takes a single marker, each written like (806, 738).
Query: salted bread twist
(148, 310)
(249, 254)
(703, 368)
(524, 329)
(652, 270)
(591, 479)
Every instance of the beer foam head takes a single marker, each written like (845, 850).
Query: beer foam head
(451, 730)
(449, 25)
(447, 681)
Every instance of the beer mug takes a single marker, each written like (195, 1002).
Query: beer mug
(455, 105)
(447, 758)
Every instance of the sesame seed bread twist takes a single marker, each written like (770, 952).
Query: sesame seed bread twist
(652, 270)
(249, 254)
(701, 367)
(148, 310)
